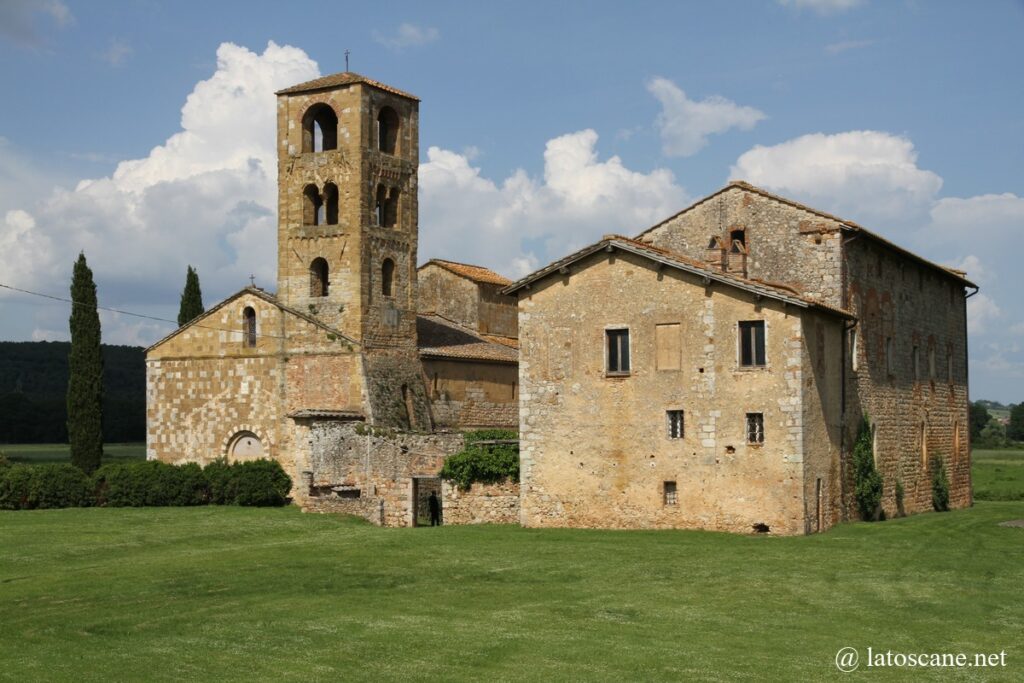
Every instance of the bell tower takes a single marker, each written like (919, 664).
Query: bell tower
(348, 153)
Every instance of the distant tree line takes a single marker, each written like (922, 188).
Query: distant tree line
(989, 432)
(34, 386)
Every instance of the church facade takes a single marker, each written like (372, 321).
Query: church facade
(341, 354)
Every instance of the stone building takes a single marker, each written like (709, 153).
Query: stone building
(713, 372)
(341, 375)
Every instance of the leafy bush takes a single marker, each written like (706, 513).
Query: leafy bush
(259, 483)
(868, 482)
(150, 484)
(940, 486)
(900, 512)
(28, 487)
(218, 479)
(4, 462)
(486, 464)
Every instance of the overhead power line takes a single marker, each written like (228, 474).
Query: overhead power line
(129, 313)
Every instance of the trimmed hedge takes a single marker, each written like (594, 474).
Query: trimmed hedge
(30, 487)
(144, 484)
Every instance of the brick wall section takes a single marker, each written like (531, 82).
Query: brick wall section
(472, 395)
(380, 462)
(895, 297)
(481, 503)
(785, 244)
(595, 450)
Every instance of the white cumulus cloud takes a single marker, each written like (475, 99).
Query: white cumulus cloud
(866, 176)
(207, 197)
(685, 124)
(522, 222)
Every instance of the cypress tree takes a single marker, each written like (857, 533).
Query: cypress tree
(85, 373)
(191, 299)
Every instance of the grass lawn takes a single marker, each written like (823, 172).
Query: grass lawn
(223, 593)
(998, 474)
(33, 453)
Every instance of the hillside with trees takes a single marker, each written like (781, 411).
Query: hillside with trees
(34, 385)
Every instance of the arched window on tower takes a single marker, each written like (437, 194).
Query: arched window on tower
(380, 200)
(387, 130)
(249, 327)
(318, 277)
(390, 210)
(387, 277)
(330, 204)
(312, 206)
(319, 129)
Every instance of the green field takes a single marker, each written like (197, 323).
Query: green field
(225, 593)
(998, 474)
(57, 452)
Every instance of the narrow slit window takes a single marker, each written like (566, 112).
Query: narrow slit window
(949, 364)
(755, 428)
(752, 344)
(249, 321)
(931, 363)
(675, 424)
(670, 493)
(387, 277)
(917, 364)
(618, 352)
(889, 369)
(853, 350)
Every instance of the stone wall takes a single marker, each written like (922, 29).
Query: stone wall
(595, 449)
(449, 295)
(916, 419)
(379, 463)
(481, 503)
(785, 243)
(472, 395)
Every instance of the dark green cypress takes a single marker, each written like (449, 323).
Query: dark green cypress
(85, 373)
(191, 299)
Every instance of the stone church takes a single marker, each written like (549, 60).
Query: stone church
(713, 372)
(710, 372)
(342, 375)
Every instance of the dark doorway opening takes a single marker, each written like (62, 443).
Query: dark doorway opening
(422, 487)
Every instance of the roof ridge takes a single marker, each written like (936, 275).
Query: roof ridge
(342, 78)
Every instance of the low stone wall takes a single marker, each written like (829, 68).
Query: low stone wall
(370, 509)
(481, 504)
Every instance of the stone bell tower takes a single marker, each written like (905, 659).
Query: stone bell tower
(348, 152)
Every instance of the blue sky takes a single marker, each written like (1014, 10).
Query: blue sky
(141, 132)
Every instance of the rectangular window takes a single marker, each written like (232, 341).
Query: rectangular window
(752, 344)
(671, 493)
(755, 428)
(675, 424)
(668, 344)
(618, 352)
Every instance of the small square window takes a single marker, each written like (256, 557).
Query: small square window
(675, 423)
(618, 352)
(752, 344)
(671, 494)
(755, 428)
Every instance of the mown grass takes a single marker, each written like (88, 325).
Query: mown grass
(274, 594)
(37, 453)
(998, 474)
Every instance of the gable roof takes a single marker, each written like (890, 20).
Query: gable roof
(844, 224)
(770, 290)
(439, 337)
(260, 294)
(471, 272)
(342, 78)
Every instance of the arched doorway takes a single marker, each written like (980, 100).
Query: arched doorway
(245, 446)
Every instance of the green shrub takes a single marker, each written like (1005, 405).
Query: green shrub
(487, 464)
(940, 486)
(900, 511)
(28, 487)
(259, 483)
(4, 462)
(218, 480)
(150, 484)
(868, 482)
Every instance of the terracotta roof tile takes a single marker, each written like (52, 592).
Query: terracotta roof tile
(475, 273)
(439, 337)
(343, 78)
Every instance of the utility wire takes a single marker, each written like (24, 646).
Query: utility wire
(135, 315)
